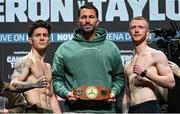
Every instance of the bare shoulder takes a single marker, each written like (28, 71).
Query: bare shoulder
(21, 65)
(157, 53)
(158, 56)
(22, 62)
(48, 65)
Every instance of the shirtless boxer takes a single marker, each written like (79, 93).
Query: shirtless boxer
(147, 69)
(32, 75)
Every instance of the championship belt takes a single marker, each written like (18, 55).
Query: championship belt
(92, 93)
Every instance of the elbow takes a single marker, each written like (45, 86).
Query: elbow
(172, 84)
(13, 86)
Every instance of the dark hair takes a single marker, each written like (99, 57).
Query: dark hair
(88, 6)
(37, 24)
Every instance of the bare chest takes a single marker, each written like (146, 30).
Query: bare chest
(145, 60)
(40, 69)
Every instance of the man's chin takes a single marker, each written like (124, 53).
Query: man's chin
(88, 29)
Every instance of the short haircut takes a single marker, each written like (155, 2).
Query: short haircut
(139, 18)
(88, 6)
(37, 24)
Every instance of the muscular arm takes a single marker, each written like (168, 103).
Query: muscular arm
(164, 77)
(20, 73)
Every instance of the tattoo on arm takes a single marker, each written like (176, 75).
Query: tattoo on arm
(20, 65)
(24, 86)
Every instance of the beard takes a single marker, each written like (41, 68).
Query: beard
(139, 41)
(87, 28)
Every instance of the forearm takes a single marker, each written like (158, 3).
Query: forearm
(166, 81)
(21, 86)
(118, 79)
(118, 84)
(16, 110)
(59, 87)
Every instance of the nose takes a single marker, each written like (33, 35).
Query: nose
(42, 37)
(87, 20)
(136, 29)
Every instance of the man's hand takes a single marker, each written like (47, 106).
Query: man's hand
(112, 97)
(175, 68)
(138, 69)
(41, 82)
(71, 97)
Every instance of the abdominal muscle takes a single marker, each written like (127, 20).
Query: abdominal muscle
(142, 94)
(39, 96)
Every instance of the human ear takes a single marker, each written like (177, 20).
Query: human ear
(30, 40)
(97, 23)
